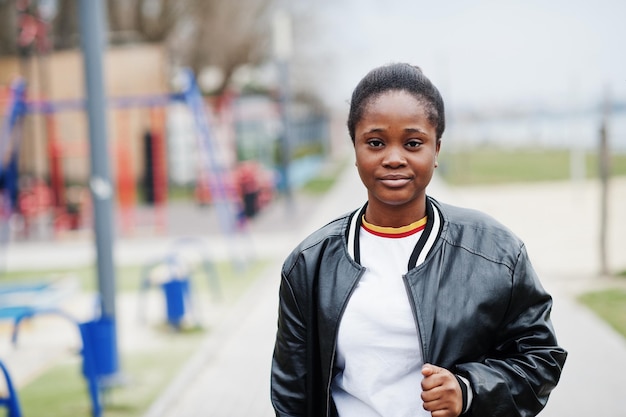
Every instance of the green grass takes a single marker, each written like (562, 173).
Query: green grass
(180, 193)
(127, 278)
(496, 166)
(610, 305)
(324, 181)
(319, 185)
(61, 391)
(148, 373)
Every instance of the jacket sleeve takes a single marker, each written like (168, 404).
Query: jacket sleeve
(516, 378)
(288, 376)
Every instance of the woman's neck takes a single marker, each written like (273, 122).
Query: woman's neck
(385, 215)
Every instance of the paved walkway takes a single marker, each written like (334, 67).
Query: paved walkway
(229, 374)
(234, 377)
(559, 224)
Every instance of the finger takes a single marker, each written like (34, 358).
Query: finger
(434, 405)
(431, 395)
(443, 413)
(433, 378)
(441, 407)
(441, 378)
(429, 369)
(429, 384)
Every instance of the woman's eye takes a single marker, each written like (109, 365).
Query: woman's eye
(413, 143)
(375, 143)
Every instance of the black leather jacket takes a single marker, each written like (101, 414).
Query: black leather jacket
(480, 310)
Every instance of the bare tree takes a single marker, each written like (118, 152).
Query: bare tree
(117, 10)
(8, 28)
(155, 21)
(224, 34)
(133, 21)
(199, 33)
(64, 30)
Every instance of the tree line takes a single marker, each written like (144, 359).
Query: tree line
(197, 33)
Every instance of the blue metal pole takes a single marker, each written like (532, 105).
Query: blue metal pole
(92, 17)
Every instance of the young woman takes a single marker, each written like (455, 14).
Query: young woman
(408, 306)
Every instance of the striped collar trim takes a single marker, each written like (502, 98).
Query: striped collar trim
(394, 232)
(431, 232)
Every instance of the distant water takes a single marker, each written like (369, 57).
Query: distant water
(569, 132)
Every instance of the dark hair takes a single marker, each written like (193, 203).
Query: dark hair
(402, 77)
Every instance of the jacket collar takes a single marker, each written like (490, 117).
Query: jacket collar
(425, 244)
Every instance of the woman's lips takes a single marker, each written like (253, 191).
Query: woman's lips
(395, 182)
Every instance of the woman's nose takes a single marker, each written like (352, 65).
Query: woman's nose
(394, 157)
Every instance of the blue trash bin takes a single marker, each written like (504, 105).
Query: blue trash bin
(100, 360)
(99, 346)
(176, 293)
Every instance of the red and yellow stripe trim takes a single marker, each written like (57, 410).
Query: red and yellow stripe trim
(395, 232)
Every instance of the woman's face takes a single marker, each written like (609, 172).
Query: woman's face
(396, 152)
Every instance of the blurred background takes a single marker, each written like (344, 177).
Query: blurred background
(226, 120)
(277, 76)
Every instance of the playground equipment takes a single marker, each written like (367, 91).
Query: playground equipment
(9, 153)
(212, 175)
(173, 278)
(173, 274)
(100, 366)
(20, 301)
(100, 362)
(11, 401)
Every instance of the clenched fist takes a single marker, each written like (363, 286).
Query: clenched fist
(441, 392)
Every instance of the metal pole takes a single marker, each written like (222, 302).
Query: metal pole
(604, 165)
(91, 14)
(282, 40)
(285, 136)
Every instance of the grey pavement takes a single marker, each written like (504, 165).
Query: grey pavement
(556, 220)
(559, 224)
(229, 374)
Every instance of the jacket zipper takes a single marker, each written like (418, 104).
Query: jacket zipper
(335, 336)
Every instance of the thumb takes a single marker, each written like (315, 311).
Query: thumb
(429, 369)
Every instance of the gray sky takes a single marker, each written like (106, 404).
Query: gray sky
(480, 53)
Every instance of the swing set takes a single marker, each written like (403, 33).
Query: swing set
(100, 367)
(69, 207)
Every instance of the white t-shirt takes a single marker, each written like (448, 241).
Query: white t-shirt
(379, 356)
